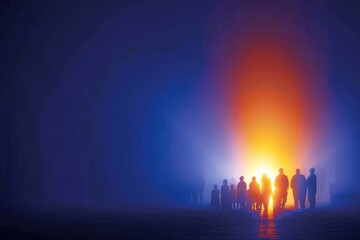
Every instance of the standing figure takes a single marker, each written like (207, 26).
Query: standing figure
(266, 191)
(281, 185)
(311, 187)
(215, 201)
(241, 193)
(232, 197)
(225, 195)
(249, 199)
(298, 185)
(254, 191)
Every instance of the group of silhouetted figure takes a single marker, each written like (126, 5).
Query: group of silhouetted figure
(256, 197)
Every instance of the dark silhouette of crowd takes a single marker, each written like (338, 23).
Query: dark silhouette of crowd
(257, 197)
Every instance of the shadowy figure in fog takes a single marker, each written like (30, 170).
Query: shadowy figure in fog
(225, 195)
(254, 195)
(198, 190)
(281, 185)
(215, 198)
(266, 191)
(298, 185)
(201, 188)
(232, 197)
(241, 193)
(311, 188)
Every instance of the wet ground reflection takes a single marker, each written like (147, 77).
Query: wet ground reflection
(113, 223)
(267, 226)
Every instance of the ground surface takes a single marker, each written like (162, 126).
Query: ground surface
(112, 223)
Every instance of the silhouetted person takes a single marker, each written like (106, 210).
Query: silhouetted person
(298, 185)
(232, 197)
(197, 189)
(201, 188)
(225, 195)
(281, 185)
(266, 191)
(215, 198)
(241, 193)
(311, 187)
(254, 192)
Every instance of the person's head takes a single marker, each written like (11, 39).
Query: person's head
(281, 171)
(225, 181)
(254, 179)
(264, 175)
(241, 178)
(297, 171)
(312, 170)
(232, 186)
(215, 186)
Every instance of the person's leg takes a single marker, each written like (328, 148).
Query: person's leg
(313, 206)
(277, 200)
(281, 199)
(311, 200)
(266, 203)
(259, 203)
(285, 198)
(249, 202)
(302, 199)
(295, 200)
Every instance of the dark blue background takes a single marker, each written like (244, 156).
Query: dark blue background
(90, 92)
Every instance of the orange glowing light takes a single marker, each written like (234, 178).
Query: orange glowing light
(272, 76)
(269, 107)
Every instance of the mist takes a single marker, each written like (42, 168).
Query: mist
(127, 103)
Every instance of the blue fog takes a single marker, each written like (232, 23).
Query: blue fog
(110, 103)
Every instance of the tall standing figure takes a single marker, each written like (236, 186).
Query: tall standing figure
(225, 195)
(241, 193)
(215, 201)
(281, 185)
(232, 197)
(311, 187)
(298, 186)
(254, 195)
(266, 191)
